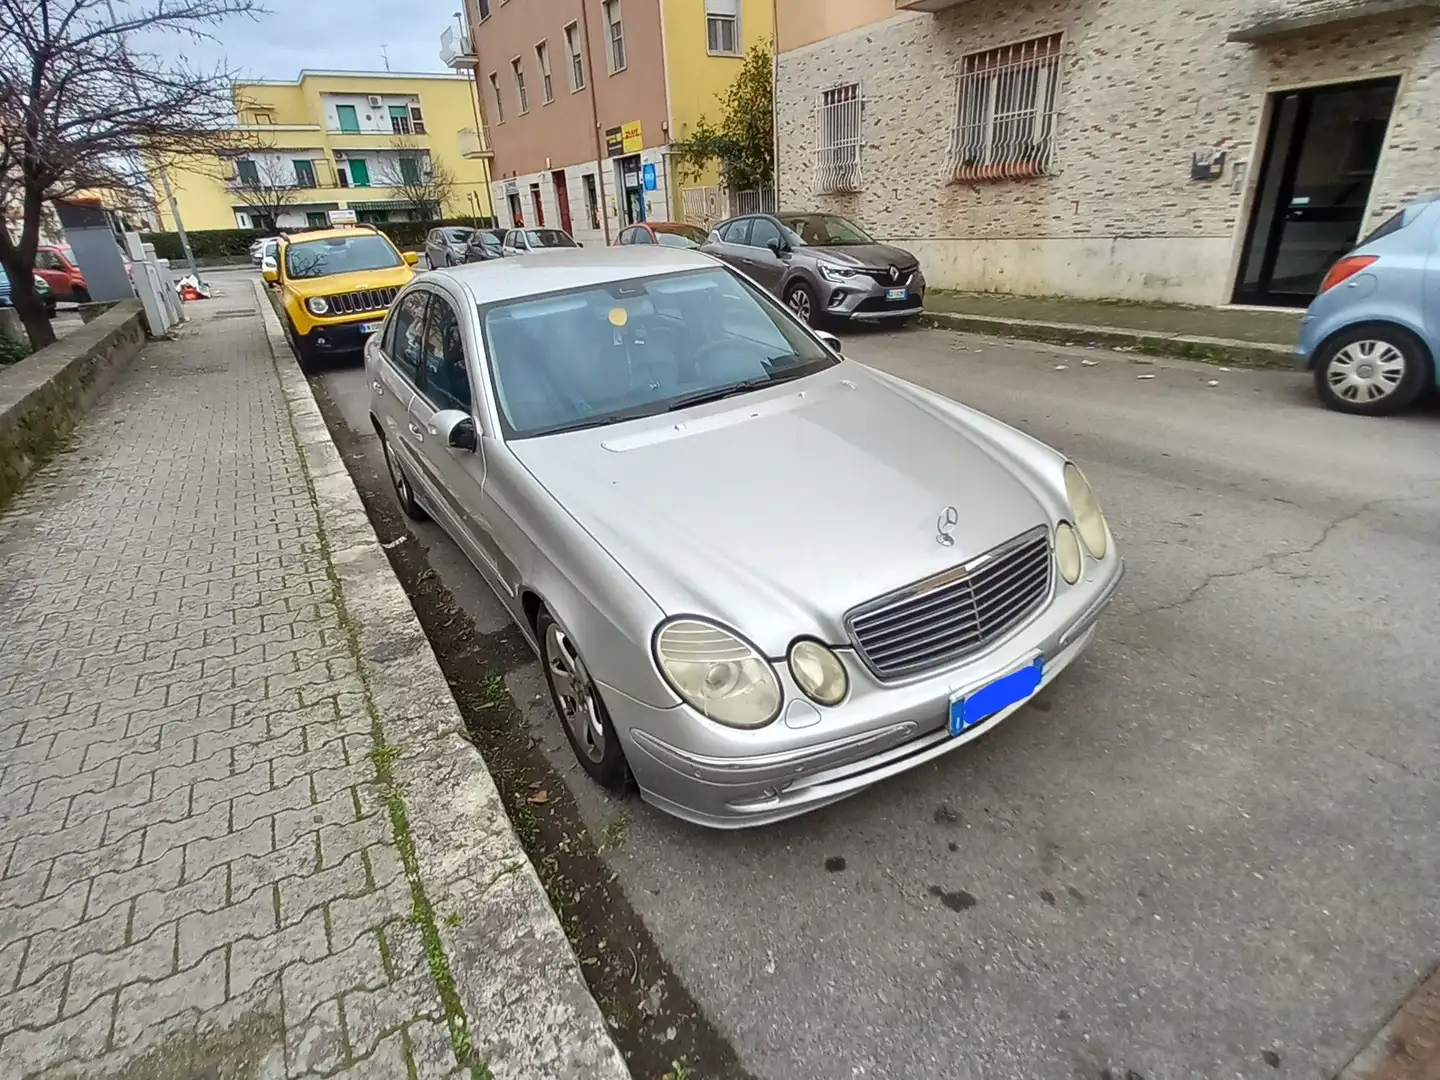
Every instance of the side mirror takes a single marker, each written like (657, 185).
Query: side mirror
(776, 245)
(830, 341)
(456, 428)
(411, 258)
(579, 244)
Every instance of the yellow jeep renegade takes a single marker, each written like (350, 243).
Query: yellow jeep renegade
(335, 286)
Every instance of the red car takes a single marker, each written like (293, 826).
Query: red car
(665, 233)
(57, 266)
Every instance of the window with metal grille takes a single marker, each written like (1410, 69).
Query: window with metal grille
(615, 34)
(542, 57)
(592, 201)
(577, 61)
(837, 139)
(520, 85)
(399, 120)
(304, 173)
(722, 27)
(1005, 112)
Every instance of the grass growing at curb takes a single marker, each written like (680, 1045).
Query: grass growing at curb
(383, 757)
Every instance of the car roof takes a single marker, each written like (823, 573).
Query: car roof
(568, 268)
(329, 234)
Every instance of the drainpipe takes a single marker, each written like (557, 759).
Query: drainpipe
(600, 158)
(774, 98)
(469, 29)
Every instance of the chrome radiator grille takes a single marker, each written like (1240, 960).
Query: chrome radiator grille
(365, 300)
(941, 619)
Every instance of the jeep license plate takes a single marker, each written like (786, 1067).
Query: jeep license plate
(370, 327)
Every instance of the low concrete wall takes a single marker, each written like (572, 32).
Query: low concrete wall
(44, 396)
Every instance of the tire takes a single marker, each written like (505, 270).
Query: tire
(80, 294)
(303, 356)
(1373, 369)
(50, 309)
(800, 299)
(578, 704)
(403, 491)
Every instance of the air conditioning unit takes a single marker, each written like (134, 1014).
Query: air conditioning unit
(374, 100)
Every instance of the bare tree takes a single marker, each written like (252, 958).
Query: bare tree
(80, 111)
(267, 188)
(423, 183)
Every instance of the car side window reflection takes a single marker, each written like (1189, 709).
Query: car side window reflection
(762, 232)
(447, 381)
(405, 344)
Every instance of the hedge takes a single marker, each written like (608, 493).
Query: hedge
(229, 243)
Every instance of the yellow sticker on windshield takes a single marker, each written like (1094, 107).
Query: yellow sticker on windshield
(619, 316)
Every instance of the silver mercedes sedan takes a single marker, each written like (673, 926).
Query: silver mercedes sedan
(760, 577)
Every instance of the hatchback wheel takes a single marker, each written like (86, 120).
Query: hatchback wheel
(1371, 370)
(413, 510)
(800, 300)
(582, 713)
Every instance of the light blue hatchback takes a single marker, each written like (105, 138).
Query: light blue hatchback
(1372, 335)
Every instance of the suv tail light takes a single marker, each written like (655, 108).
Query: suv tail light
(1347, 267)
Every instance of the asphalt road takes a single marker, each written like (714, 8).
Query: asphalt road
(1209, 850)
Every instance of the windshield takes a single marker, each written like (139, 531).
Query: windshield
(679, 236)
(457, 236)
(489, 241)
(826, 230)
(339, 255)
(548, 238)
(635, 348)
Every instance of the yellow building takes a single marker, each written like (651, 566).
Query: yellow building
(370, 141)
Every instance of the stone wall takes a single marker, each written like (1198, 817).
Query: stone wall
(44, 396)
(1143, 85)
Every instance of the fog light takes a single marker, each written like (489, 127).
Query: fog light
(837, 297)
(818, 672)
(1067, 553)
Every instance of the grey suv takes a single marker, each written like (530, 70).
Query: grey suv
(822, 266)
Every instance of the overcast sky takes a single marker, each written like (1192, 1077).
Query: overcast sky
(343, 34)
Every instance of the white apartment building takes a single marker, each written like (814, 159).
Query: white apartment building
(1201, 152)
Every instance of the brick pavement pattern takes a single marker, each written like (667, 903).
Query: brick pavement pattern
(198, 877)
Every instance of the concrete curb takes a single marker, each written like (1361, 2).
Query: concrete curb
(1183, 346)
(527, 1008)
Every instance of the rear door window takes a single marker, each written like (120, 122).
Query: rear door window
(737, 232)
(405, 342)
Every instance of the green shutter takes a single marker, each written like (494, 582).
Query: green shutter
(410, 170)
(359, 173)
(348, 120)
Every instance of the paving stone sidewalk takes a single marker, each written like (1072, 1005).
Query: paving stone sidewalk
(198, 873)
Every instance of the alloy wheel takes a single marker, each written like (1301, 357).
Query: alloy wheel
(397, 474)
(799, 303)
(1366, 371)
(571, 683)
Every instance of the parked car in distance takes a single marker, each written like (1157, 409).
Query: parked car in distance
(485, 244)
(42, 289)
(258, 248)
(822, 266)
(760, 577)
(56, 264)
(524, 241)
(1372, 335)
(335, 286)
(446, 246)
(664, 233)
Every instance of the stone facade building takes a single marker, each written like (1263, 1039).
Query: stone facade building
(1200, 151)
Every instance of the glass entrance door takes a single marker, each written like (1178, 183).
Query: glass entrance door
(1314, 185)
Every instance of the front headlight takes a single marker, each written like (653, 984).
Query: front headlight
(318, 305)
(818, 672)
(1088, 519)
(718, 673)
(836, 273)
(1067, 553)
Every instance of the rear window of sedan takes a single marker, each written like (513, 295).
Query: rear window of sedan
(607, 353)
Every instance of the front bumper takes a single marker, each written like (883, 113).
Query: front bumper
(863, 299)
(880, 730)
(346, 337)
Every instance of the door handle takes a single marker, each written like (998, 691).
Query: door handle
(377, 386)
(415, 430)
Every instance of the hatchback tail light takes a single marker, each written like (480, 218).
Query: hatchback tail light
(1347, 267)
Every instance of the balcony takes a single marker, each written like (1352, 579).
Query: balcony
(473, 145)
(456, 50)
(1275, 22)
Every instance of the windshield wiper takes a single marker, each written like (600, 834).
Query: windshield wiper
(701, 397)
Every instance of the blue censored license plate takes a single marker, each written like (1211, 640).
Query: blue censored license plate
(896, 294)
(370, 327)
(968, 711)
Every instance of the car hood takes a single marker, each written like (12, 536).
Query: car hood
(777, 511)
(391, 277)
(868, 256)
